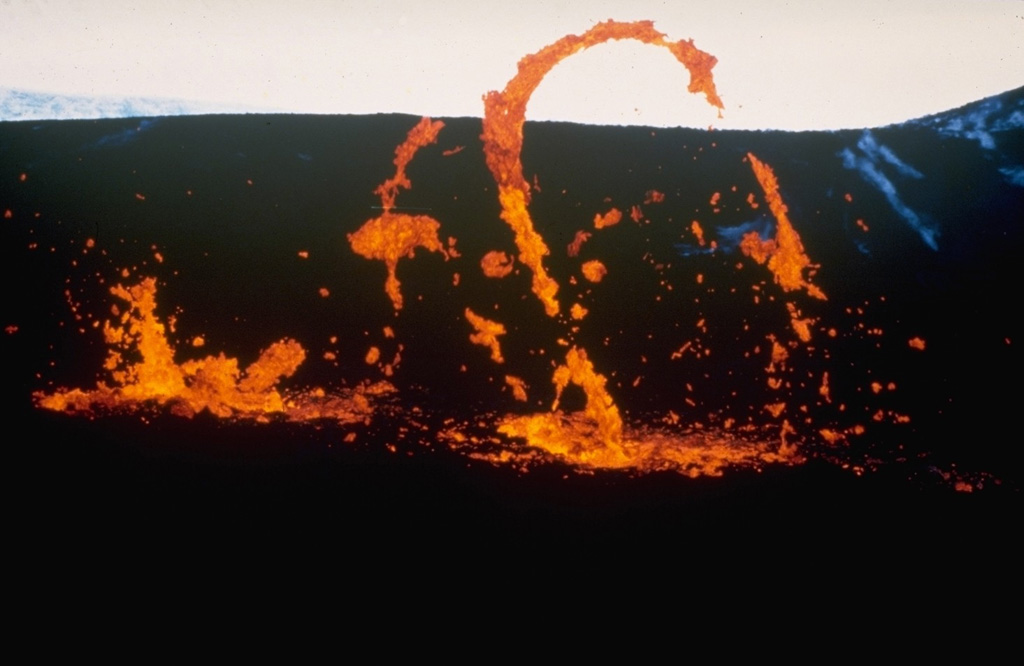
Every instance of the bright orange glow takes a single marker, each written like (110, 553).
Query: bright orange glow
(802, 327)
(611, 218)
(577, 242)
(487, 333)
(785, 255)
(596, 439)
(496, 264)
(518, 387)
(423, 134)
(392, 236)
(505, 113)
(594, 270)
(698, 232)
(214, 384)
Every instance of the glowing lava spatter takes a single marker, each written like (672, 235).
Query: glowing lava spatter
(594, 438)
(214, 383)
(487, 333)
(785, 254)
(609, 219)
(505, 113)
(496, 264)
(392, 236)
(597, 437)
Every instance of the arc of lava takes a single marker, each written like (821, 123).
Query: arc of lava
(505, 113)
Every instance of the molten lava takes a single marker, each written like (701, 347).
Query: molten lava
(596, 437)
(214, 383)
(392, 236)
(785, 254)
(487, 333)
(505, 113)
(496, 264)
(611, 218)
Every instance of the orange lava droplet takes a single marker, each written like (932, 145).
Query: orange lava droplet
(505, 113)
(90, 242)
(452, 252)
(823, 390)
(636, 214)
(8, 214)
(831, 436)
(518, 387)
(654, 196)
(452, 151)
(916, 343)
(10, 329)
(324, 292)
(23, 177)
(140, 197)
(198, 341)
(303, 254)
(392, 236)
(577, 242)
(714, 198)
(578, 311)
(698, 232)
(611, 218)
(594, 270)
(496, 264)
(372, 355)
(785, 254)
(779, 356)
(487, 333)
(802, 327)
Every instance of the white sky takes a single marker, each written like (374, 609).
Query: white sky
(800, 64)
